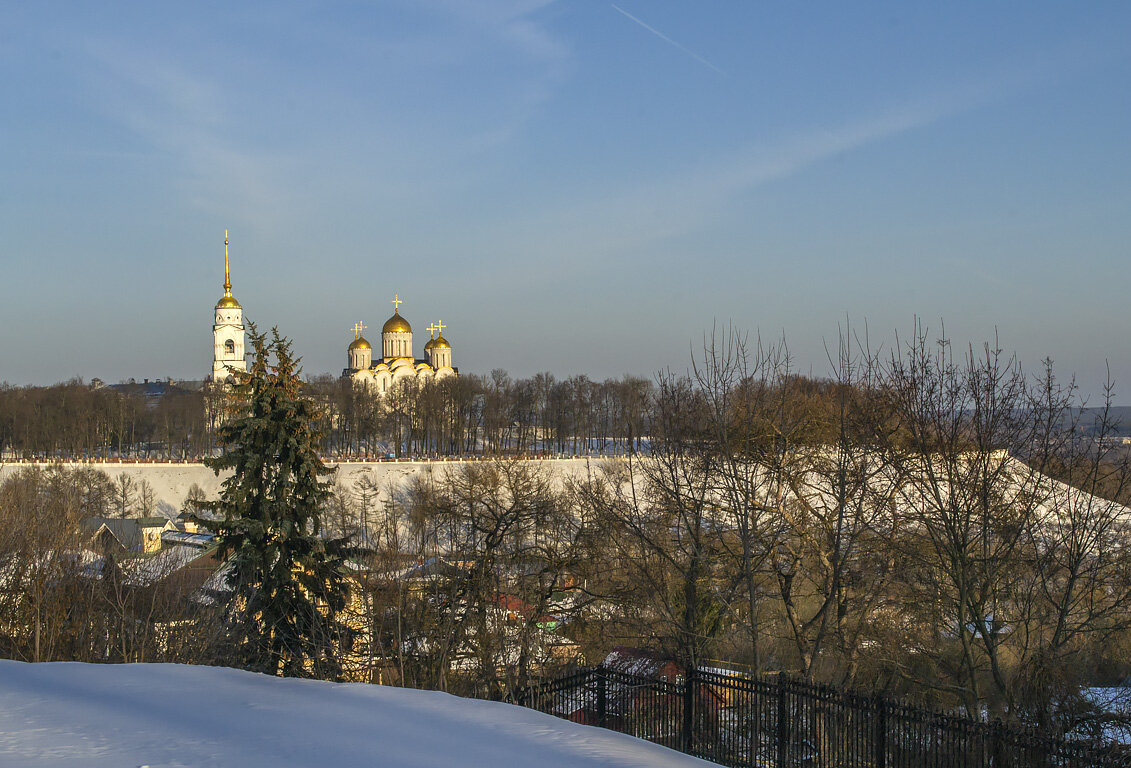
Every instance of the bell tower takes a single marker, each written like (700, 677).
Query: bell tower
(227, 331)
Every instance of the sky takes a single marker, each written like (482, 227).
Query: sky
(576, 187)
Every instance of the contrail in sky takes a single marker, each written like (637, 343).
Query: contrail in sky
(667, 39)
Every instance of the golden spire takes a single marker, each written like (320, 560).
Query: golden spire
(397, 303)
(358, 329)
(432, 331)
(439, 329)
(227, 301)
(227, 277)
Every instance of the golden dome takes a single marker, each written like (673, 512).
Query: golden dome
(396, 324)
(439, 343)
(360, 343)
(431, 343)
(228, 301)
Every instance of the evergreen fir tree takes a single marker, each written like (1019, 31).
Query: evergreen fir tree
(287, 580)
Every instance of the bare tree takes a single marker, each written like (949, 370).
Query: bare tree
(656, 514)
(961, 424)
(752, 433)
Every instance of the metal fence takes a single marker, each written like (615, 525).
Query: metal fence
(737, 720)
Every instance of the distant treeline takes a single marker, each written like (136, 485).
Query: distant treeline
(461, 416)
(464, 416)
(76, 420)
(492, 414)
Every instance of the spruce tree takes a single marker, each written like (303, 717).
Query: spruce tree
(287, 581)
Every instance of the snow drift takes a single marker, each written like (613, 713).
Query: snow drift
(171, 715)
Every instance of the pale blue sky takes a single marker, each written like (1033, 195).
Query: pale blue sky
(579, 187)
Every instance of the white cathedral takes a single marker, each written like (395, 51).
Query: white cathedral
(396, 361)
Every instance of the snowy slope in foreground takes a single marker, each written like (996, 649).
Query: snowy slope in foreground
(166, 715)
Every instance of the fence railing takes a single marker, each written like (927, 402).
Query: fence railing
(737, 720)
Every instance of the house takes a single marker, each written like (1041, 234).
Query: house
(515, 610)
(118, 535)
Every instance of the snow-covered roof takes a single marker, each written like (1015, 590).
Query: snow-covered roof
(144, 571)
(16, 570)
(634, 661)
(199, 540)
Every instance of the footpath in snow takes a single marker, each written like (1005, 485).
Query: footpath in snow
(175, 716)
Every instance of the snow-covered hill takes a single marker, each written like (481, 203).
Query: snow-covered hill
(170, 482)
(169, 716)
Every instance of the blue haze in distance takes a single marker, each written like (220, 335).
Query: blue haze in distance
(579, 187)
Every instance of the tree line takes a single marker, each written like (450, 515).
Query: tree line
(77, 421)
(458, 416)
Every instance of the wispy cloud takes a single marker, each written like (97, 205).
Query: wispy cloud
(667, 39)
(474, 31)
(670, 206)
(765, 163)
(184, 119)
(513, 22)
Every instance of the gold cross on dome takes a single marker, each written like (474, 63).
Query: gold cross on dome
(358, 329)
(432, 331)
(439, 328)
(397, 303)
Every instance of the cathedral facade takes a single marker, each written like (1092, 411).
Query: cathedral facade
(397, 360)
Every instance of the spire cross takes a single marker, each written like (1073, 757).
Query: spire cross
(439, 328)
(432, 331)
(397, 303)
(227, 278)
(358, 329)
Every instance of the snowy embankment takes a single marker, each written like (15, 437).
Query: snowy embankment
(130, 715)
(170, 481)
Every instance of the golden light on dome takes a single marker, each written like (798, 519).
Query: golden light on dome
(439, 342)
(396, 323)
(359, 341)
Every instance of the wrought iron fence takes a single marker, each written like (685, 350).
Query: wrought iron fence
(780, 722)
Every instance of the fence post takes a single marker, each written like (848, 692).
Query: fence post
(600, 697)
(783, 723)
(688, 710)
(996, 743)
(881, 736)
